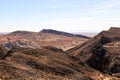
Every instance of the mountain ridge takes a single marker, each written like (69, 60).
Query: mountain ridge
(63, 33)
(49, 38)
(101, 52)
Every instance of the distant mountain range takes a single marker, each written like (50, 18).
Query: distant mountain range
(63, 33)
(46, 37)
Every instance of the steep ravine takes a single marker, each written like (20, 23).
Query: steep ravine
(102, 52)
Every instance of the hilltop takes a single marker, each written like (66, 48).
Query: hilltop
(48, 37)
(63, 33)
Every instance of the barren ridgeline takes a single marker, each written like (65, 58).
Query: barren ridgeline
(101, 52)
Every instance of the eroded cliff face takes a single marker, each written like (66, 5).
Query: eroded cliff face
(101, 52)
(98, 60)
(114, 64)
(107, 59)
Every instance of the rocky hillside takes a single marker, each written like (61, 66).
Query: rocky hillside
(54, 38)
(101, 52)
(45, 63)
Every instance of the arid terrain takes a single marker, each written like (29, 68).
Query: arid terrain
(56, 55)
(101, 52)
(45, 37)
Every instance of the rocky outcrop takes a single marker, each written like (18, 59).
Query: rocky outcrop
(21, 43)
(2, 51)
(101, 52)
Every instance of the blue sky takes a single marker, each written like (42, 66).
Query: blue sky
(64, 15)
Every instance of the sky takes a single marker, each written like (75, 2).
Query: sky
(63, 15)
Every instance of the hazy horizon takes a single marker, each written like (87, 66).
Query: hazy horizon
(63, 15)
(90, 34)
